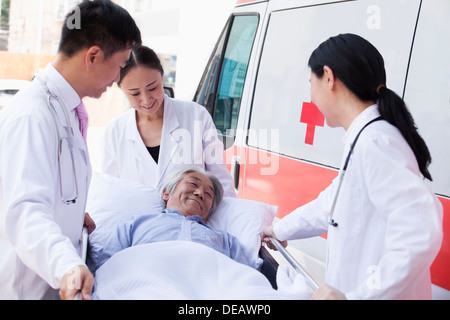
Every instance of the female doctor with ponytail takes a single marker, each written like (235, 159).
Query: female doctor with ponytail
(384, 224)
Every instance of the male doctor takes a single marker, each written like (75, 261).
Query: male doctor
(43, 190)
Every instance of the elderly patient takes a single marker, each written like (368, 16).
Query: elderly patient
(189, 195)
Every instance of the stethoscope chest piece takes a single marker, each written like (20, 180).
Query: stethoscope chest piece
(333, 223)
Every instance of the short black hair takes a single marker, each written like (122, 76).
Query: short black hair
(102, 23)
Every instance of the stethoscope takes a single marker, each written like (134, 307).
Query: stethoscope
(69, 140)
(331, 221)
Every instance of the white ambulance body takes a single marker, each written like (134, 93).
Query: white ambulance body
(278, 146)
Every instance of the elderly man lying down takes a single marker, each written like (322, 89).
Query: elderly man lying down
(175, 255)
(189, 195)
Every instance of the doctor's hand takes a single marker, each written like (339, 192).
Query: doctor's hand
(325, 292)
(89, 223)
(268, 232)
(78, 280)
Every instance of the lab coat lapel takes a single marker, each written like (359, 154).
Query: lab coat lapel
(76, 133)
(79, 142)
(169, 139)
(59, 87)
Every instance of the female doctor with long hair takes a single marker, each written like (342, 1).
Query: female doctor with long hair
(159, 134)
(385, 227)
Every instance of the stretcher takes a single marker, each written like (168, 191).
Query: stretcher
(270, 265)
(294, 264)
(112, 201)
(268, 269)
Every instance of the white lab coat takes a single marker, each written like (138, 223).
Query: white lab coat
(39, 234)
(389, 221)
(188, 137)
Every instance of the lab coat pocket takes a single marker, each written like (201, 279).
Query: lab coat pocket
(348, 212)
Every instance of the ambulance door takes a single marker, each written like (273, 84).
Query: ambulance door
(224, 87)
(292, 154)
(427, 96)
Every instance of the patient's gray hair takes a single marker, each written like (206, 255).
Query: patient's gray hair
(171, 181)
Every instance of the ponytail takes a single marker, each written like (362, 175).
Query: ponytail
(360, 67)
(393, 109)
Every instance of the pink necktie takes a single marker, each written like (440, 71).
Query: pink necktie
(83, 117)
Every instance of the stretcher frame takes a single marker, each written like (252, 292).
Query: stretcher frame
(270, 266)
(84, 239)
(297, 267)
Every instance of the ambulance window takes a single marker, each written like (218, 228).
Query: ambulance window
(220, 90)
(282, 100)
(207, 87)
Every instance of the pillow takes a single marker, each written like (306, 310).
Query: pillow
(244, 219)
(112, 201)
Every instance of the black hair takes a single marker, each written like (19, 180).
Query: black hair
(360, 67)
(141, 56)
(101, 23)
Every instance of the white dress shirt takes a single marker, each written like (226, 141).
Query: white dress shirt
(39, 234)
(389, 221)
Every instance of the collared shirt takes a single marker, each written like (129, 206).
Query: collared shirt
(389, 221)
(170, 225)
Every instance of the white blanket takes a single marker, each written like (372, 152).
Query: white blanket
(179, 270)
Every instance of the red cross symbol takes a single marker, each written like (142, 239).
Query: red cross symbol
(312, 117)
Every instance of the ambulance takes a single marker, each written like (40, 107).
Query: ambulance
(278, 147)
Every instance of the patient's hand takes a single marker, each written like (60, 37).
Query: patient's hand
(89, 223)
(268, 232)
(78, 279)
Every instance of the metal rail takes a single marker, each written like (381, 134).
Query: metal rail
(83, 244)
(297, 267)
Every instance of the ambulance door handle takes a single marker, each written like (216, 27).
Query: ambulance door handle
(236, 171)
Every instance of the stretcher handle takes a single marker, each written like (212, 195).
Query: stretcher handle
(84, 243)
(297, 267)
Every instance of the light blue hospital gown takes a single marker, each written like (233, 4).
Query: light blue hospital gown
(170, 225)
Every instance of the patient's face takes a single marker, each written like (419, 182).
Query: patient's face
(194, 195)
